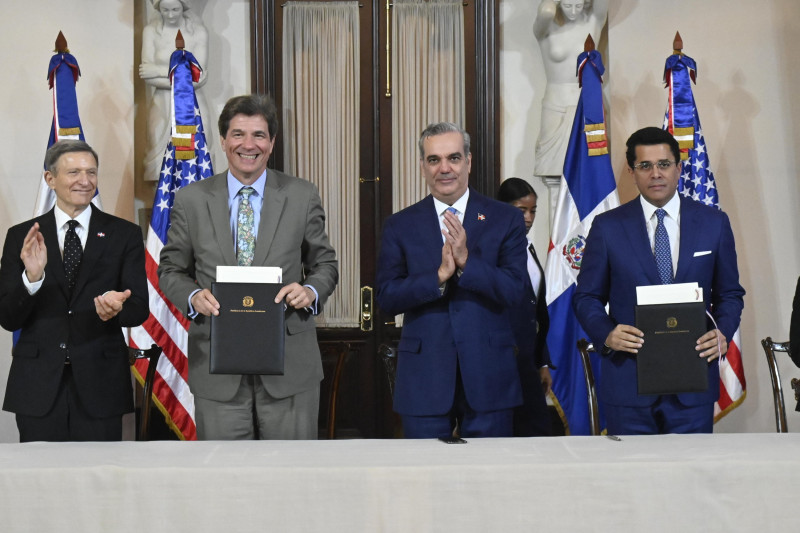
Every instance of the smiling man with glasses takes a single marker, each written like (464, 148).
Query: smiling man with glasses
(658, 238)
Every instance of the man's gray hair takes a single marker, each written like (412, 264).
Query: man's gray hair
(438, 128)
(68, 146)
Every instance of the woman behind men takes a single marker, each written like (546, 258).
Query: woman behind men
(530, 323)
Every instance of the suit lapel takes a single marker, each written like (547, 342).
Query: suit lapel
(55, 263)
(540, 288)
(686, 244)
(427, 230)
(97, 238)
(635, 227)
(475, 218)
(271, 212)
(217, 203)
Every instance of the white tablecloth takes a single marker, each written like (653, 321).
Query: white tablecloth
(726, 482)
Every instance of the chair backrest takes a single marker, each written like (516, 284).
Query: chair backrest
(342, 349)
(780, 380)
(152, 354)
(584, 348)
(388, 355)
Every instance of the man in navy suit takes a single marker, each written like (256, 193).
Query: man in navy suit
(70, 280)
(620, 255)
(453, 264)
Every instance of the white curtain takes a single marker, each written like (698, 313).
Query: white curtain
(428, 84)
(321, 134)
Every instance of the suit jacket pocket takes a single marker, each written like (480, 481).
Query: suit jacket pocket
(409, 344)
(295, 326)
(25, 349)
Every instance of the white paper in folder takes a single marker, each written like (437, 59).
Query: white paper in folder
(675, 293)
(249, 274)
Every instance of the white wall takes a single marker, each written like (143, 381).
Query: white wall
(102, 35)
(746, 95)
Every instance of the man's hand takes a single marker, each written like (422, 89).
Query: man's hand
(456, 237)
(712, 344)
(547, 379)
(296, 296)
(205, 303)
(34, 254)
(448, 266)
(110, 304)
(624, 338)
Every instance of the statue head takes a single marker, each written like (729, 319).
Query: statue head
(571, 10)
(171, 11)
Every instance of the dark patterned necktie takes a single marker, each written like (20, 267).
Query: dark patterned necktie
(73, 253)
(661, 250)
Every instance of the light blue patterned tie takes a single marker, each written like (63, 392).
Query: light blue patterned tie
(661, 250)
(245, 238)
(453, 210)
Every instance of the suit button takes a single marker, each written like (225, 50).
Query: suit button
(63, 346)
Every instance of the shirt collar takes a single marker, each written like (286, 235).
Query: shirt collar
(234, 185)
(460, 204)
(62, 218)
(673, 207)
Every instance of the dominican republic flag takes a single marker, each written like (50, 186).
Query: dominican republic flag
(62, 75)
(697, 182)
(587, 189)
(186, 160)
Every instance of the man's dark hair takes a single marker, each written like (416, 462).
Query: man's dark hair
(513, 189)
(250, 105)
(69, 146)
(651, 136)
(439, 128)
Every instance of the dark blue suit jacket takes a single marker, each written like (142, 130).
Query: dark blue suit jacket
(468, 326)
(618, 258)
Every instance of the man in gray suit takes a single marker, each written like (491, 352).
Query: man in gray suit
(251, 216)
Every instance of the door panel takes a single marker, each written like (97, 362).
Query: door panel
(363, 403)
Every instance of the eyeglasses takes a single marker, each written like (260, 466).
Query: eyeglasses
(646, 166)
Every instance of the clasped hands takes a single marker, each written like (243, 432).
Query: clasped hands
(295, 295)
(34, 258)
(624, 338)
(454, 250)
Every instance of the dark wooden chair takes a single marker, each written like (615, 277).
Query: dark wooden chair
(774, 364)
(342, 350)
(585, 348)
(388, 355)
(152, 355)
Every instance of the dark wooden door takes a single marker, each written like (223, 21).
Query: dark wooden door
(363, 402)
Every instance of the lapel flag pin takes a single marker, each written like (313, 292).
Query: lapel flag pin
(481, 216)
(101, 234)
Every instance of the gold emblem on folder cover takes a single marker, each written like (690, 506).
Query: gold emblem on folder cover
(672, 322)
(248, 301)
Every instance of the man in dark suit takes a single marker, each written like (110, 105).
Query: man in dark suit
(453, 264)
(658, 237)
(530, 322)
(69, 377)
(286, 229)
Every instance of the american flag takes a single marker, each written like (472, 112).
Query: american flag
(167, 326)
(697, 182)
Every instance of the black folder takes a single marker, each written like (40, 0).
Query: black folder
(248, 335)
(667, 362)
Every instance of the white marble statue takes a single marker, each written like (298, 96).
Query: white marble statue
(561, 28)
(158, 44)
